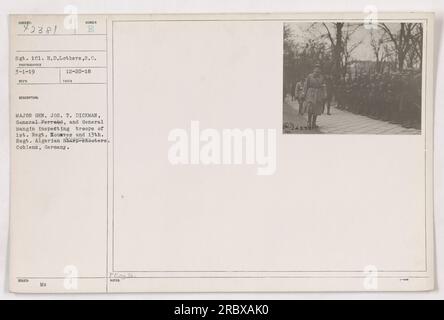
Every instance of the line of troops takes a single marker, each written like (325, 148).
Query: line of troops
(394, 97)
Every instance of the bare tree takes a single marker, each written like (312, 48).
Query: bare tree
(337, 48)
(377, 45)
(417, 39)
(403, 40)
(349, 47)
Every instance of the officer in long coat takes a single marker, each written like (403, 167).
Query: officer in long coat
(315, 95)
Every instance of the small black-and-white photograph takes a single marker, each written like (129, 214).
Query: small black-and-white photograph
(352, 78)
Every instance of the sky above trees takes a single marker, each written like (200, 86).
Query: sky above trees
(360, 37)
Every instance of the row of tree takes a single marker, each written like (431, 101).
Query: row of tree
(395, 47)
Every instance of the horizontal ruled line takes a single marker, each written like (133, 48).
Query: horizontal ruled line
(63, 50)
(70, 34)
(77, 67)
(228, 277)
(51, 83)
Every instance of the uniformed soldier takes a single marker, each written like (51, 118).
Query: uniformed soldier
(314, 93)
(299, 94)
(388, 103)
(417, 88)
(371, 98)
(340, 94)
(329, 92)
(354, 95)
(348, 94)
(411, 99)
(379, 100)
(397, 91)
